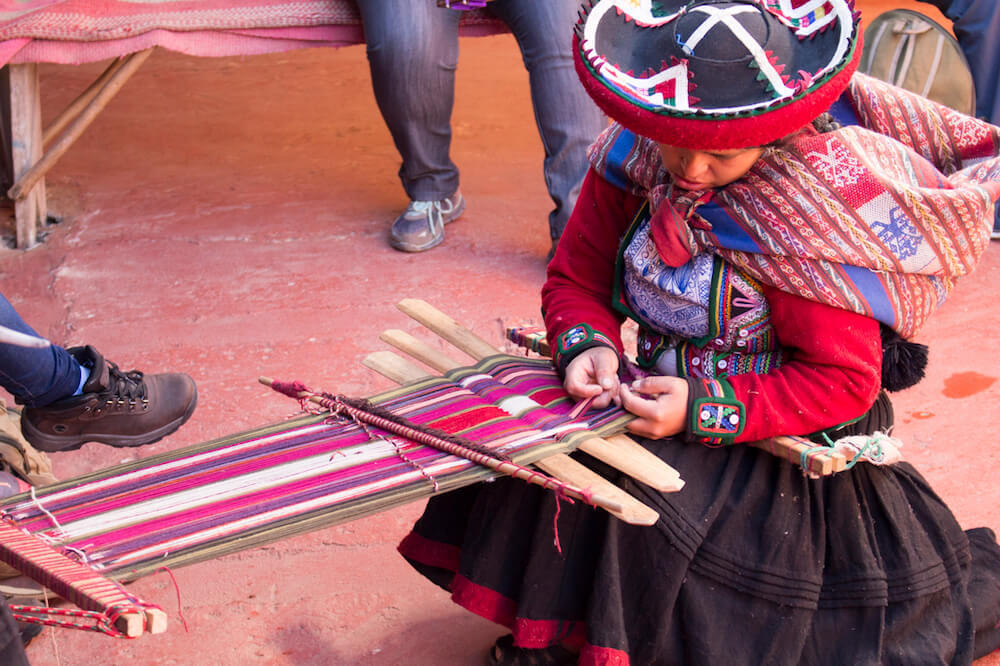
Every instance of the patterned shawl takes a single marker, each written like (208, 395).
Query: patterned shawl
(879, 217)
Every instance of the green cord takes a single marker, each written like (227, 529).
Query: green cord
(804, 456)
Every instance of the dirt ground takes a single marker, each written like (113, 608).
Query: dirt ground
(228, 218)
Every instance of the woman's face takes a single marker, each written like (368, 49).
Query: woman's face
(704, 169)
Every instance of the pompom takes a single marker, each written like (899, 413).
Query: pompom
(903, 362)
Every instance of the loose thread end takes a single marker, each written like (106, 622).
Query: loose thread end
(177, 589)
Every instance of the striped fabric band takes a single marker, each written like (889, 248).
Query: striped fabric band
(204, 501)
(117, 611)
(532, 338)
(879, 217)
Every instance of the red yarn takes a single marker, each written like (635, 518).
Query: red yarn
(291, 389)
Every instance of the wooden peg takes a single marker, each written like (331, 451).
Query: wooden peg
(419, 350)
(446, 327)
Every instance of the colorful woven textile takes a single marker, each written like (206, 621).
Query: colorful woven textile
(847, 218)
(91, 21)
(231, 494)
(103, 602)
(531, 338)
(75, 31)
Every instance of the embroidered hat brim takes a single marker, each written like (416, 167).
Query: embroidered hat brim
(716, 75)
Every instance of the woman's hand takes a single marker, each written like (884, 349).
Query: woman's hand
(660, 403)
(594, 374)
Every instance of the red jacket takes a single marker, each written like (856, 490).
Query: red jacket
(833, 358)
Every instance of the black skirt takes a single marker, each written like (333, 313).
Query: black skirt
(750, 563)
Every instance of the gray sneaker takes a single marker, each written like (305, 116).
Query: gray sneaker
(421, 226)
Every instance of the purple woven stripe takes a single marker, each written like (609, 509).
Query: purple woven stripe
(540, 381)
(169, 473)
(371, 490)
(190, 481)
(201, 474)
(279, 448)
(433, 402)
(104, 549)
(496, 391)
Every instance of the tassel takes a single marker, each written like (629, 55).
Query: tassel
(903, 362)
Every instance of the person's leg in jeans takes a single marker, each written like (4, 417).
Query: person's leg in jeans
(73, 396)
(36, 377)
(568, 121)
(412, 49)
(976, 24)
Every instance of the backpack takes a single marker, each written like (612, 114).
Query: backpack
(912, 51)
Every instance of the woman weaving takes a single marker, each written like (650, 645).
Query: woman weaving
(776, 258)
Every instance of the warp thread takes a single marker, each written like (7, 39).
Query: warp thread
(383, 418)
(103, 622)
(295, 389)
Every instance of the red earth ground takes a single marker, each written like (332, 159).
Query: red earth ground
(228, 218)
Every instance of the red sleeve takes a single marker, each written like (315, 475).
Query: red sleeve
(831, 375)
(581, 276)
(832, 369)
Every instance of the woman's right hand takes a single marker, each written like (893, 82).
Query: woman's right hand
(594, 374)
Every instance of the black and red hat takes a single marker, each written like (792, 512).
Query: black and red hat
(716, 74)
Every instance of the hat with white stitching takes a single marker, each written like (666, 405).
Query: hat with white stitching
(716, 74)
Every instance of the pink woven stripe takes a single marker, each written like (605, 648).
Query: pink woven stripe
(70, 580)
(189, 500)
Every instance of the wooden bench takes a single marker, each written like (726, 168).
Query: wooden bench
(79, 31)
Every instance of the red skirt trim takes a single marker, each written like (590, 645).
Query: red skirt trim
(493, 606)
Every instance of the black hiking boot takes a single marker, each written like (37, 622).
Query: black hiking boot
(116, 408)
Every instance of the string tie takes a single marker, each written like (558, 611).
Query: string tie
(177, 589)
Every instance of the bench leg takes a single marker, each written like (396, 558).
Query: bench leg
(24, 147)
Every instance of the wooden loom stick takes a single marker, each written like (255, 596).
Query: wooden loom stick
(419, 350)
(616, 450)
(558, 465)
(799, 449)
(449, 329)
(73, 110)
(817, 460)
(117, 79)
(619, 451)
(500, 466)
(77, 582)
(394, 367)
(25, 148)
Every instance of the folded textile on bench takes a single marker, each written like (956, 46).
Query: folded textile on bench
(78, 31)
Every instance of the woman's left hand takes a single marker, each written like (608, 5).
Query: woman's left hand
(660, 403)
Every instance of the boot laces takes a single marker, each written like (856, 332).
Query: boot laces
(125, 388)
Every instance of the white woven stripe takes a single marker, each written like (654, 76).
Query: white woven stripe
(229, 488)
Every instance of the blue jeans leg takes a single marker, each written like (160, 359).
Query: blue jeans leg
(412, 48)
(35, 377)
(568, 120)
(977, 27)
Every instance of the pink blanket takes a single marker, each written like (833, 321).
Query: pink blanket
(77, 31)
